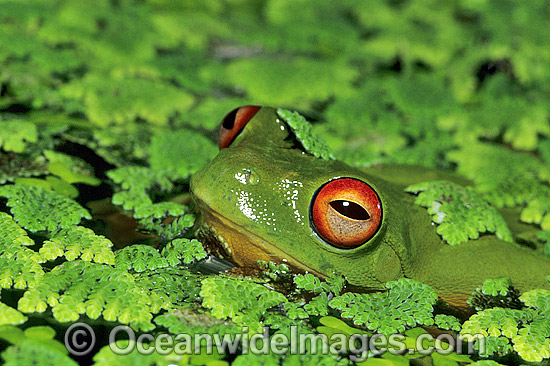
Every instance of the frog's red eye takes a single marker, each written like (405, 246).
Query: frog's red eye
(234, 123)
(346, 212)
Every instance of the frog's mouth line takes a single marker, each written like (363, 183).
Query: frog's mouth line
(240, 246)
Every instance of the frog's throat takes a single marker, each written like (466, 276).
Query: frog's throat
(243, 247)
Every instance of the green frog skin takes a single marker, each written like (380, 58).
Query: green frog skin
(264, 198)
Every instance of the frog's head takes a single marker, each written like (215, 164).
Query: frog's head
(264, 198)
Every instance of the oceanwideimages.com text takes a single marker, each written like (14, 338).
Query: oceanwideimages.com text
(80, 339)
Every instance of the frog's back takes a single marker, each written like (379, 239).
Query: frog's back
(405, 175)
(456, 271)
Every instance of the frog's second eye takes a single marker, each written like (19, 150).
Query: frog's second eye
(346, 212)
(234, 123)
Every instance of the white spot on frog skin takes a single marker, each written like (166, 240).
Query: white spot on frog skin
(255, 209)
(260, 210)
(290, 191)
(241, 177)
(245, 205)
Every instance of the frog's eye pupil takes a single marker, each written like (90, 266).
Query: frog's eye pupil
(233, 124)
(350, 209)
(346, 212)
(229, 120)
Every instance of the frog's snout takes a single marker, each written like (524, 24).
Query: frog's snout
(210, 184)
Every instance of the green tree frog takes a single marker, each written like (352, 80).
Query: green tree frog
(264, 198)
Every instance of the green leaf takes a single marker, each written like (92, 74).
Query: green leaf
(526, 331)
(537, 299)
(15, 134)
(537, 212)
(176, 229)
(31, 352)
(494, 287)
(118, 145)
(504, 177)
(336, 283)
(210, 112)
(180, 153)
(318, 305)
(302, 130)
(407, 303)
(290, 82)
(448, 322)
(12, 234)
(37, 209)
(106, 356)
(495, 292)
(412, 31)
(110, 45)
(528, 62)
(451, 359)
(244, 301)
(423, 94)
(75, 288)
(460, 212)
(295, 311)
(19, 266)
(11, 334)
(135, 183)
(159, 210)
(123, 100)
(78, 242)
(139, 258)
(70, 169)
(10, 316)
(376, 131)
(524, 134)
(13, 166)
(544, 236)
(183, 249)
(191, 321)
(50, 183)
(30, 346)
(331, 325)
(310, 282)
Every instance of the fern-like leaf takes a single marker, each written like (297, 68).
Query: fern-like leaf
(19, 266)
(78, 242)
(406, 304)
(460, 212)
(185, 250)
(140, 258)
(38, 209)
(76, 288)
(10, 316)
(15, 134)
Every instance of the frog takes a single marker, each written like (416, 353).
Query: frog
(264, 198)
